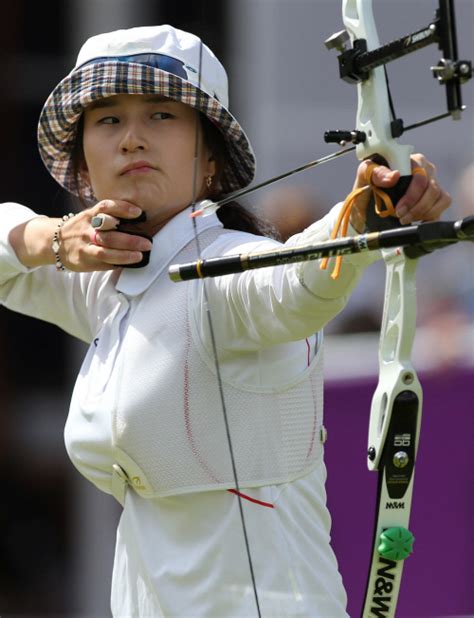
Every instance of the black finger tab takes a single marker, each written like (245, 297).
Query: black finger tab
(124, 223)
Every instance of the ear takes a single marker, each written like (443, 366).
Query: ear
(211, 167)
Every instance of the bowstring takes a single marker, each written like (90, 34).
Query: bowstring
(197, 144)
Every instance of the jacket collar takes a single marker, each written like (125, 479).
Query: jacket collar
(167, 243)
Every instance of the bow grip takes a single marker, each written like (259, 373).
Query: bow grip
(375, 223)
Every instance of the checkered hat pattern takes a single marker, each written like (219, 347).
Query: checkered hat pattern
(127, 62)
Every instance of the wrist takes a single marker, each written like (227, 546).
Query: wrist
(57, 241)
(32, 241)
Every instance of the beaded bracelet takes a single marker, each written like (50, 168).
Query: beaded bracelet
(56, 244)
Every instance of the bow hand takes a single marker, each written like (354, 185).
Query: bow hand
(418, 197)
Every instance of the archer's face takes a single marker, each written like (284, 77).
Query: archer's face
(141, 148)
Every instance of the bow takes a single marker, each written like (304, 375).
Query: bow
(396, 407)
(397, 402)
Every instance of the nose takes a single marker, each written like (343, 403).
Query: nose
(132, 139)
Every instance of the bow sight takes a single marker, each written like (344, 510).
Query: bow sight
(356, 63)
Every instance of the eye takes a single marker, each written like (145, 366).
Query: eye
(108, 120)
(162, 115)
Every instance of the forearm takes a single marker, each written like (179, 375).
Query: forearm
(76, 302)
(32, 240)
(276, 305)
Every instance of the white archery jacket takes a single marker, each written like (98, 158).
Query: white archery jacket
(146, 409)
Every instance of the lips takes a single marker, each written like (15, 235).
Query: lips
(137, 167)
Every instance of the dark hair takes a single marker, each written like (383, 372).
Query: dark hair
(233, 215)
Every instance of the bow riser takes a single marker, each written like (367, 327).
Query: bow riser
(396, 372)
(373, 110)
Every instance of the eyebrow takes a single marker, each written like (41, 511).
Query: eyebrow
(112, 101)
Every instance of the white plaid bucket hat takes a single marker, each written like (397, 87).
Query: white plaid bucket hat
(145, 60)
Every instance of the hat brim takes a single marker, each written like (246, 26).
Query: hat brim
(57, 129)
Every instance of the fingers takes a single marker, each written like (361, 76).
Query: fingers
(425, 199)
(384, 177)
(120, 241)
(120, 209)
(416, 191)
(106, 258)
(111, 247)
(429, 206)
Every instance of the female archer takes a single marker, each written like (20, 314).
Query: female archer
(140, 130)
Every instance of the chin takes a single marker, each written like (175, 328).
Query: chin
(146, 200)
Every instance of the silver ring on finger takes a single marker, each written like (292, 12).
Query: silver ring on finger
(104, 222)
(98, 221)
